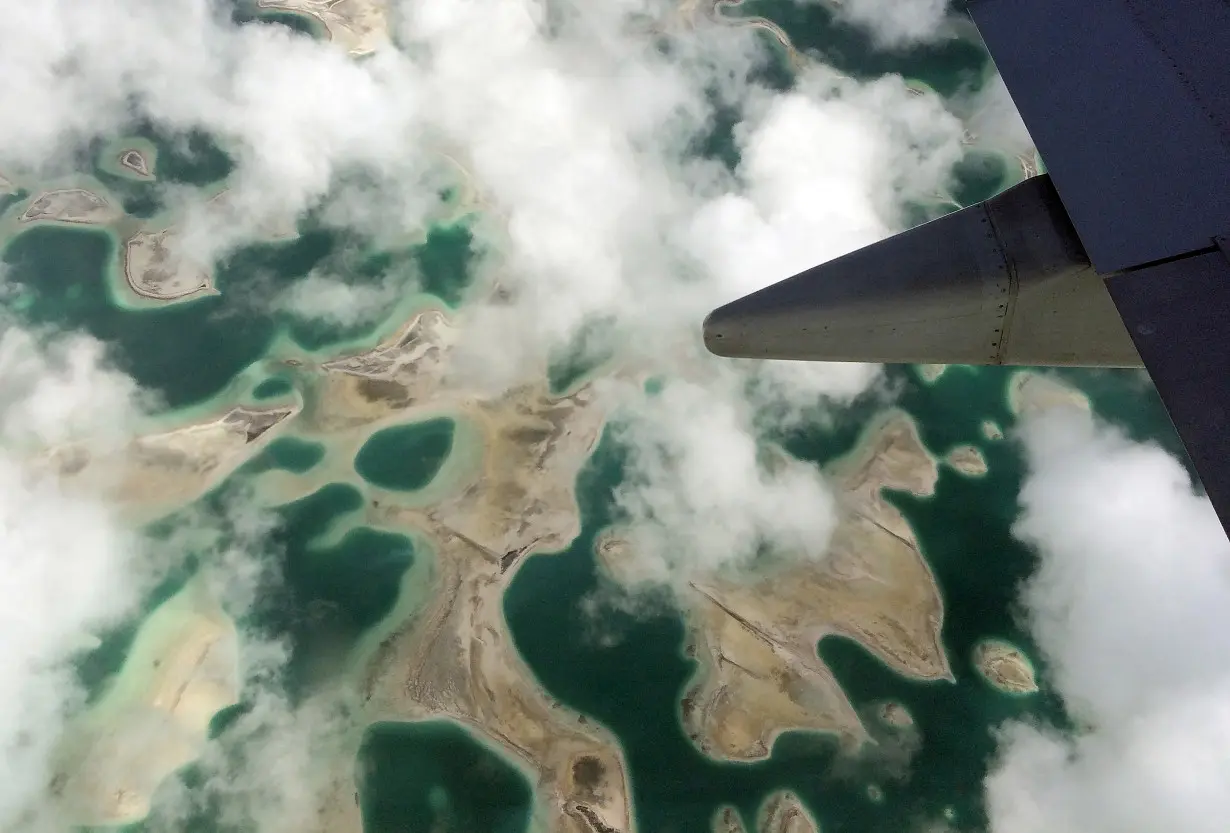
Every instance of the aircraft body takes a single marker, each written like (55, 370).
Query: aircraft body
(1118, 256)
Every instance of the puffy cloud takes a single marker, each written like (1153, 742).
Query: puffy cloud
(1130, 605)
(701, 495)
(896, 23)
(335, 301)
(68, 566)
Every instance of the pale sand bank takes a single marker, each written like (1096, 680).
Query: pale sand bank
(359, 26)
(75, 206)
(783, 812)
(182, 669)
(155, 473)
(134, 158)
(755, 638)
(894, 714)
(991, 430)
(1031, 392)
(930, 373)
(1004, 666)
(968, 460)
(135, 161)
(155, 268)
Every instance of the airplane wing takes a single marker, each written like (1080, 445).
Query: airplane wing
(1118, 256)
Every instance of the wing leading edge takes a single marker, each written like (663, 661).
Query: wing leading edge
(1116, 257)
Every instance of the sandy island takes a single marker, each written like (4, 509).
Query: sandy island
(156, 472)
(455, 657)
(182, 669)
(991, 430)
(930, 373)
(783, 812)
(1032, 392)
(404, 372)
(895, 715)
(968, 460)
(755, 639)
(726, 819)
(717, 14)
(155, 269)
(134, 161)
(70, 205)
(1004, 666)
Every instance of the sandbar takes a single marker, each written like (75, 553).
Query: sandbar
(726, 819)
(718, 15)
(182, 669)
(930, 373)
(968, 460)
(991, 430)
(70, 205)
(156, 269)
(895, 715)
(1031, 392)
(134, 160)
(1004, 666)
(755, 637)
(403, 372)
(783, 812)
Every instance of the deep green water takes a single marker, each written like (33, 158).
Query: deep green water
(434, 777)
(405, 457)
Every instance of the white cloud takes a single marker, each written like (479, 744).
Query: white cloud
(68, 567)
(699, 494)
(332, 300)
(58, 389)
(896, 23)
(1130, 605)
(991, 115)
